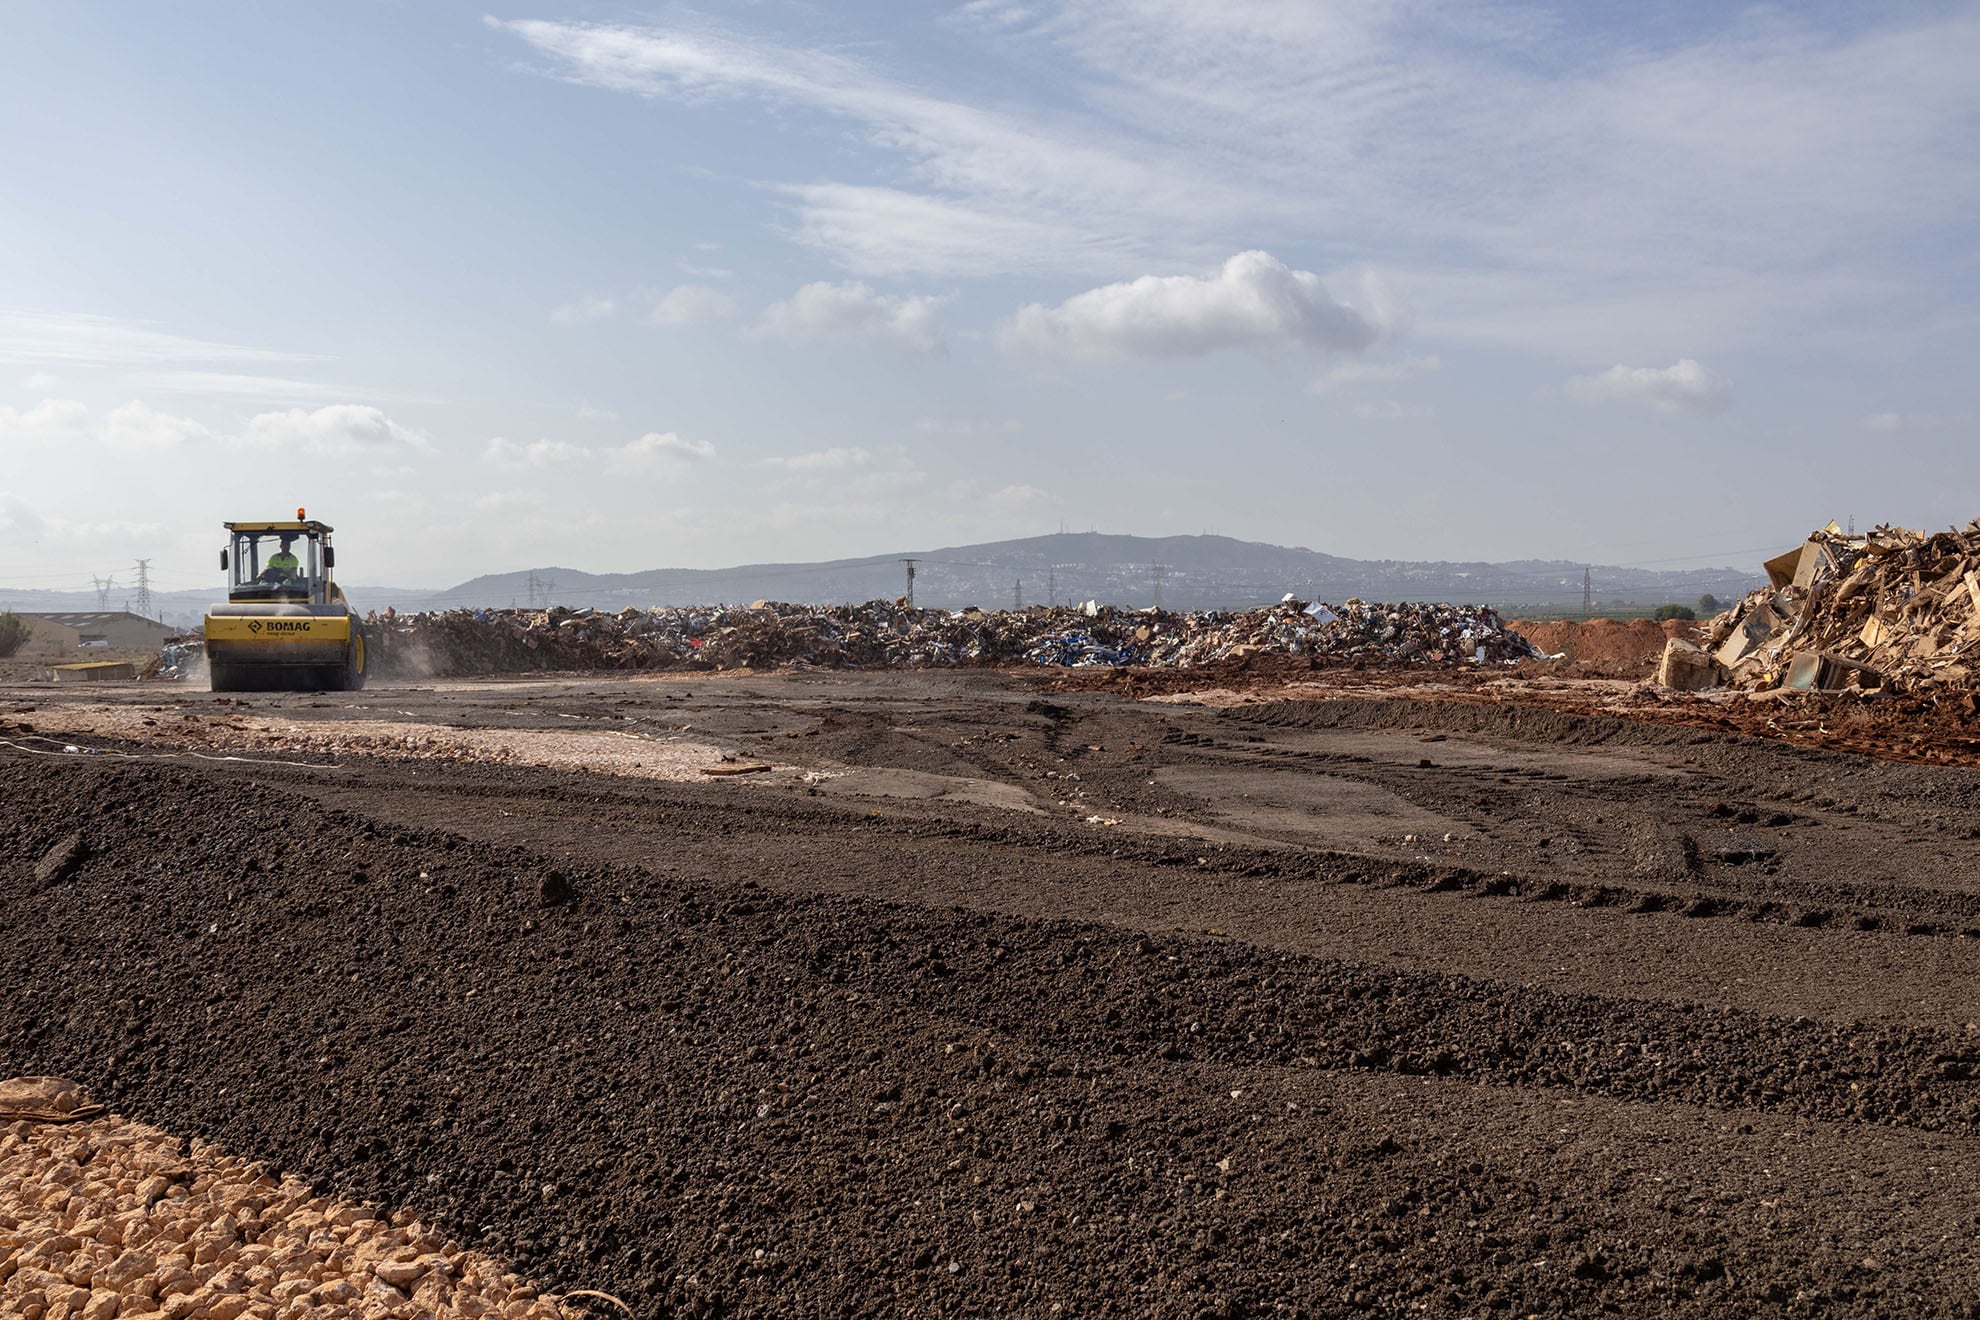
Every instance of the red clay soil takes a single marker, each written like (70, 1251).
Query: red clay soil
(1605, 641)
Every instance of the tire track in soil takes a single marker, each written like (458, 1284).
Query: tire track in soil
(607, 1073)
(1825, 960)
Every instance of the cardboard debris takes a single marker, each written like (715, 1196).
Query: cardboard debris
(1687, 668)
(889, 635)
(1892, 609)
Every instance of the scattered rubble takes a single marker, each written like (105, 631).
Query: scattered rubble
(1889, 610)
(179, 658)
(891, 635)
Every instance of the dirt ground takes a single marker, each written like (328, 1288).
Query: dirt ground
(1263, 992)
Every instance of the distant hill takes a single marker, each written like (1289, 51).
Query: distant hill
(1199, 572)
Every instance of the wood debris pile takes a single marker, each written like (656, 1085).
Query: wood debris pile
(1888, 610)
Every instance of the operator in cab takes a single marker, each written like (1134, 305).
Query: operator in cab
(282, 565)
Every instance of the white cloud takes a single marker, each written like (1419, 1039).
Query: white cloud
(52, 421)
(1350, 375)
(834, 459)
(655, 446)
(587, 413)
(1578, 162)
(1685, 386)
(1253, 301)
(536, 454)
(708, 272)
(136, 426)
(39, 380)
(854, 312)
(338, 428)
(691, 304)
(580, 310)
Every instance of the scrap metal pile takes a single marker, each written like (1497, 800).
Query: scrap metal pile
(1890, 610)
(891, 635)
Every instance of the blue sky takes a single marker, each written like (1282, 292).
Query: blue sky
(616, 288)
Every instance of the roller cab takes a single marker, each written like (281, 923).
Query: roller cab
(285, 626)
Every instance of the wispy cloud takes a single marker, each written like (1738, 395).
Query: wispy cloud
(515, 455)
(1391, 410)
(855, 313)
(22, 522)
(837, 458)
(1917, 423)
(508, 501)
(956, 428)
(1350, 375)
(581, 310)
(693, 304)
(1550, 155)
(236, 385)
(1060, 186)
(75, 339)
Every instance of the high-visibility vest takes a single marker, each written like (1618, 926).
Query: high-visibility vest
(281, 559)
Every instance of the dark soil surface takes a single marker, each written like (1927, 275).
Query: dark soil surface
(1034, 1002)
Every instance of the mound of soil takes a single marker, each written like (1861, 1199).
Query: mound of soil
(1631, 645)
(710, 1098)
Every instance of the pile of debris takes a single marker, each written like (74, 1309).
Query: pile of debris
(891, 635)
(178, 658)
(1888, 610)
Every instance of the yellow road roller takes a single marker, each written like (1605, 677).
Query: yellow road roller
(286, 626)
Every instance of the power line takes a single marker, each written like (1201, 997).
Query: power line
(144, 587)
